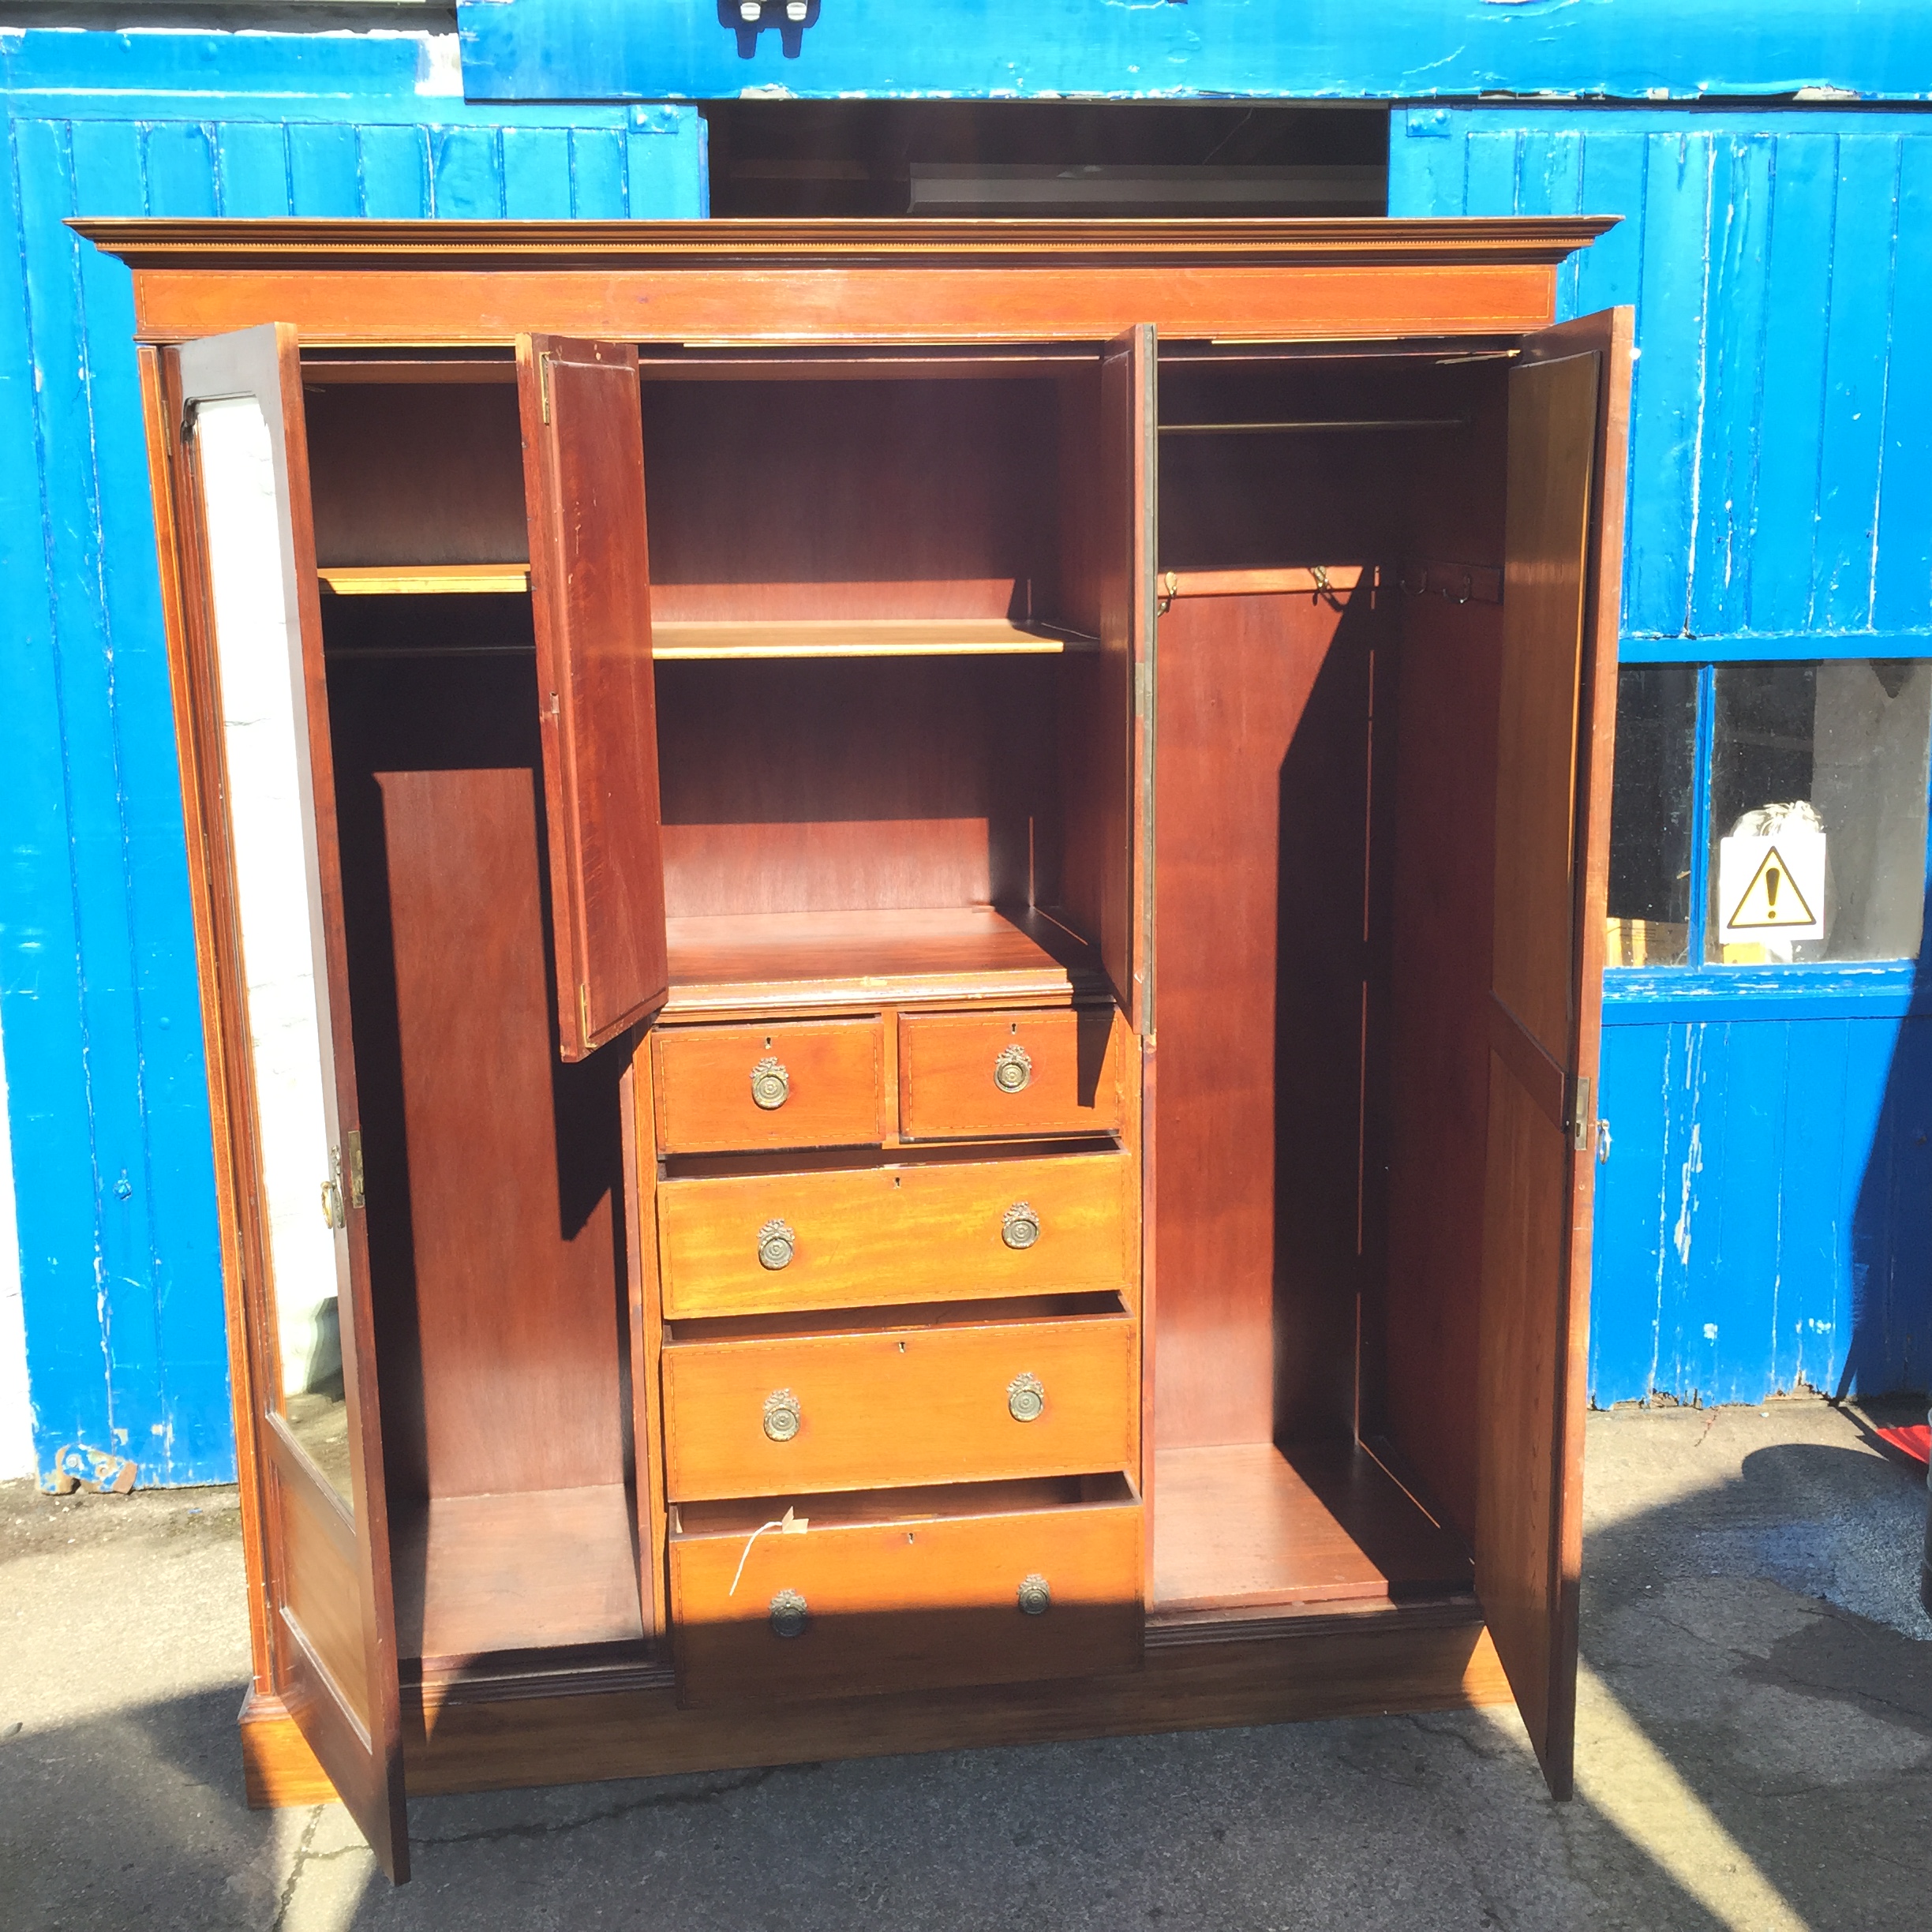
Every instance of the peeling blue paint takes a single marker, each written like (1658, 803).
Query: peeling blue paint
(120, 1258)
(1317, 50)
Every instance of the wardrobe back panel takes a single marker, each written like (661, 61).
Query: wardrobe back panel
(868, 784)
(898, 499)
(401, 474)
(1261, 959)
(493, 1169)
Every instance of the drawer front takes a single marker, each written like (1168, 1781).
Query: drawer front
(754, 1244)
(1059, 1071)
(794, 1414)
(907, 1603)
(738, 1088)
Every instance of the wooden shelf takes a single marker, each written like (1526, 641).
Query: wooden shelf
(1248, 1525)
(862, 959)
(676, 640)
(870, 637)
(537, 1570)
(425, 579)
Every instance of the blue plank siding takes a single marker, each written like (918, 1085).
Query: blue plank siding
(1765, 1218)
(107, 1086)
(1402, 50)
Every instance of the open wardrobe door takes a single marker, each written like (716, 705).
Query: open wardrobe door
(1129, 466)
(1568, 407)
(281, 1070)
(583, 481)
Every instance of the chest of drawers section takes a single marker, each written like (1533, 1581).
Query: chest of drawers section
(899, 1374)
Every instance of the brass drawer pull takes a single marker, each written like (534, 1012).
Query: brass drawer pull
(781, 1415)
(771, 1085)
(1035, 1598)
(1019, 1226)
(789, 1613)
(777, 1245)
(1012, 1070)
(1026, 1398)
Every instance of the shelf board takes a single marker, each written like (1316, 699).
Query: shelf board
(853, 960)
(425, 579)
(528, 1571)
(866, 637)
(675, 639)
(1247, 1524)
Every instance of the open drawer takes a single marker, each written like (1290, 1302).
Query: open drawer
(890, 1590)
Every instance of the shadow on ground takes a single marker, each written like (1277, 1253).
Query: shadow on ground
(1752, 1754)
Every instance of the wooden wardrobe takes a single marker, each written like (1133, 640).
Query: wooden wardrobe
(901, 927)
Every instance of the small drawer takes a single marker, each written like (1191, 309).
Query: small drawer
(890, 1592)
(730, 1089)
(1055, 1071)
(873, 1236)
(968, 1401)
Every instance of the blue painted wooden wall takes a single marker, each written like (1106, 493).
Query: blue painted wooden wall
(1145, 50)
(1765, 1217)
(120, 1258)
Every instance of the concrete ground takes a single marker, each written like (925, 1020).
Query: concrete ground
(1755, 1753)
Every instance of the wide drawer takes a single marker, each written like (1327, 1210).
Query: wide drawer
(1054, 1071)
(871, 1236)
(731, 1089)
(964, 1403)
(931, 1593)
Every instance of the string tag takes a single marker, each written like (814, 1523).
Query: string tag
(790, 1523)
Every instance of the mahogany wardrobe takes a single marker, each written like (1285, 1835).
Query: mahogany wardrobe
(900, 928)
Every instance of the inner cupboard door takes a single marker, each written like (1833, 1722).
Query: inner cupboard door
(256, 740)
(1568, 410)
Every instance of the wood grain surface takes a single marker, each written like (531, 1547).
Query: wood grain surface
(902, 1405)
(1250, 1524)
(871, 1236)
(702, 1079)
(584, 468)
(1313, 1665)
(1074, 1057)
(540, 1568)
(926, 1600)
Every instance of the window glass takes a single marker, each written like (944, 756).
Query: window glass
(1818, 810)
(1650, 816)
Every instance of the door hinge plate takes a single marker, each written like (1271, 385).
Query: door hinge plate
(352, 1148)
(1578, 1097)
(583, 1013)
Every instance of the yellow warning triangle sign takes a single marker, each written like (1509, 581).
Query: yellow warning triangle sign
(1771, 900)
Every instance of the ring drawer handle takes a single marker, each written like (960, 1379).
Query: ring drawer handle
(1026, 1398)
(1019, 1226)
(781, 1415)
(788, 1613)
(777, 1245)
(771, 1085)
(1013, 1070)
(1035, 1598)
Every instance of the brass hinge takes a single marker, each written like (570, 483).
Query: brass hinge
(583, 1012)
(1577, 1099)
(543, 385)
(352, 1142)
(191, 415)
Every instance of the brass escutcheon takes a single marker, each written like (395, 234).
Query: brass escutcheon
(1026, 1398)
(789, 1613)
(777, 1245)
(781, 1415)
(1019, 1226)
(770, 1084)
(1013, 1068)
(1035, 1596)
